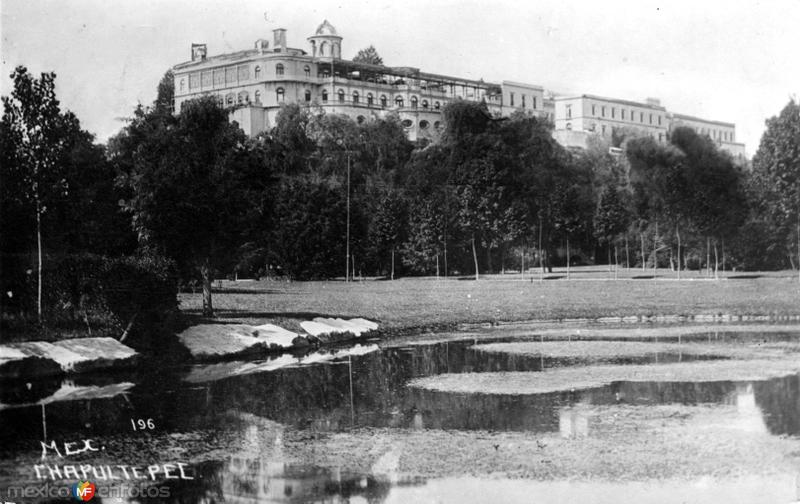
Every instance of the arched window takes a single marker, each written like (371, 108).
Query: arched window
(407, 123)
(322, 48)
(398, 101)
(258, 96)
(355, 97)
(182, 84)
(424, 124)
(437, 105)
(229, 99)
(360, 119)
(569, 126)
(257, 72)
(243, 98)
(425, 104)
(369, 99)
(383, 100)
(279, 70)
(308, 95)
(221, 100)
(307, 70)
(414, 102)
(279, 94)
(324, 95)
(340, 93)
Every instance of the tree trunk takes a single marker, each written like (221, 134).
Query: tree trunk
(39, 246)
(723, 255)
(716, 262)
(522, 263)
(627, 255)
(392, 263)
(655, 252)
(608, 249)
(205, 272)
(437, 265)
(644, 259)
(616, 261)
(708, 256)
(678, 236)
(568, 259)
(445, 251)
(798, 243)
(489, 265)
(475, 257)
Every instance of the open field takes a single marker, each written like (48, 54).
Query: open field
(410, 303)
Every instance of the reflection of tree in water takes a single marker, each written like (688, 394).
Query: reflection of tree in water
(779, 400)
(670, 392)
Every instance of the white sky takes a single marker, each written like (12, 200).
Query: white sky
(729, 61)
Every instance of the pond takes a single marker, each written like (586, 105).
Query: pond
(343, 425)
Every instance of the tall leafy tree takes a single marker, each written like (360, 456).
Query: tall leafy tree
(35, 144)
(192, 187)
(368, 55)
(776, 174)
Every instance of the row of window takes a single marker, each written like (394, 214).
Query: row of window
(723, 135)
(370, 99)
(280, 95)
(623, 114)
(230, 75)
(524, 100)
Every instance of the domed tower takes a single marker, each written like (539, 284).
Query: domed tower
(326, 44)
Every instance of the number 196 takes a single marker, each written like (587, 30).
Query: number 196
(142, 424)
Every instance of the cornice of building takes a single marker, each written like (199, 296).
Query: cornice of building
(698, 119)
(629, 103)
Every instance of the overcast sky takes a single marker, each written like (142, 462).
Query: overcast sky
(719, 60)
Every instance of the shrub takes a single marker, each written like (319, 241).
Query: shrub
(107, 295)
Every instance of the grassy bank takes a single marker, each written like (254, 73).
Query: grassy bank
(410, 303)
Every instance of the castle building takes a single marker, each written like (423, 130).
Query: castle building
(578, 118)
(255, 83)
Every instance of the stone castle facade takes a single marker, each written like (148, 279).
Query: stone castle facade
(255, 83)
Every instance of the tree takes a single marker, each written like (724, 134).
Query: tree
(33, 133)
(368, 55)
(776, 174)
(193, 186)
(611, 218)
(387, 228)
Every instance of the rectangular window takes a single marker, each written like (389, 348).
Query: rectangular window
(603, 129)
(659, 120)
(523, 101)
(594, 113)
(205, 81)
(219, 77)
(244, 72)
(569, 111)
(613, 112)
(534, 102)
(641, 117)
(603, 111)
(511, 99)
(651, 118)
(622, 113)
(230, 75)
(194, 81)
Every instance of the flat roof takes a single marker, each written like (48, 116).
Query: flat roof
(698, 119)
(521, 84)
(614, 100)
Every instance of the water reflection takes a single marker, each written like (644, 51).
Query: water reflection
(252, 404)
(370, 390)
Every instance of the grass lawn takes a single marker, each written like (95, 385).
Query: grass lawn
(591, 292)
